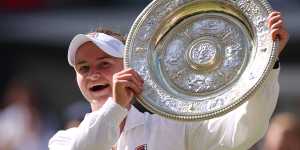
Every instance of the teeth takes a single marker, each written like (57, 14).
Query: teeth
(99, 84)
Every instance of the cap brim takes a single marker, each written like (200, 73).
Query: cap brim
(76, 42)
(106, 43)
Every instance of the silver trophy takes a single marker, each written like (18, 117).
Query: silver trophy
(200, 58)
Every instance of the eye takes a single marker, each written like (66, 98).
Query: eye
(103, 64)
(83, 69)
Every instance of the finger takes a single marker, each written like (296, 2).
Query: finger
(130, 77)
(127, 84)
(274, 13)
(124, 71)
(274, 33)
(278, 24)
(135, 74)
(127, 71)
(274, 20)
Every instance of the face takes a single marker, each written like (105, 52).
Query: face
(94, 71)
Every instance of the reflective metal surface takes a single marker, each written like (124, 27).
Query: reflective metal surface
(200, 58)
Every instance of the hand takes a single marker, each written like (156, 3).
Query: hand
(278, 30)
(126, 84)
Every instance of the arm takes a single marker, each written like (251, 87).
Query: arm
(243, 127)
(99, 130)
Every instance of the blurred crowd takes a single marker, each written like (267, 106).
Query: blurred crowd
(23, 125)
(283, 133)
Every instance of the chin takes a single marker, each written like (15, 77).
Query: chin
(103, 98)
(100, 96)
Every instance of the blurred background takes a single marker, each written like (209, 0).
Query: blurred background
(38, 90)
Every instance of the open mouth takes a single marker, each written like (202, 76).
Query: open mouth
(99, 87)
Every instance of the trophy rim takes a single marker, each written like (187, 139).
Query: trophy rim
(196, 117)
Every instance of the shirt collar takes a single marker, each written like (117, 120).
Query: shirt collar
(134, 118)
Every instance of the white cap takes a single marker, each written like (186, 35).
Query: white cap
(110, 45)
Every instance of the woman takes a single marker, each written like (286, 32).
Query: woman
(115, 124)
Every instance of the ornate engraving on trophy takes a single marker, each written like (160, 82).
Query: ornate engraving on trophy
(191, 107)
(166, 8)
(221, 50)
(140, 50)
(187, 34)
(217, 103)
(171, 104)
(148, 29)
(179, 75)
(227, 32)
(173, 59)
(263, 37)
(231, 62)
(251, 76)
(197, 84)
(249, 7)
(144, 72)
(173, 52)
(209, 24)
(261, 24)
(202, 107)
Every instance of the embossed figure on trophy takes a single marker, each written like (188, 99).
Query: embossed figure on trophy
(179, 75)
(231, 63)
(197, 84)
(187, 34)
(173, 59)
(203, 53)
(210, 24)
(217, 103)
(140, 50)
(227, 32)
(148, 29)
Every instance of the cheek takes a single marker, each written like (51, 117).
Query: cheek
(111, 71)
(107, 74)
(80, 83)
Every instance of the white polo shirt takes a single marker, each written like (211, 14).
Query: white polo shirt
(237, 130)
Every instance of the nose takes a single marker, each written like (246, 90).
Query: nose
(93, 75)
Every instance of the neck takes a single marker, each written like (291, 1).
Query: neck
(96, 105)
